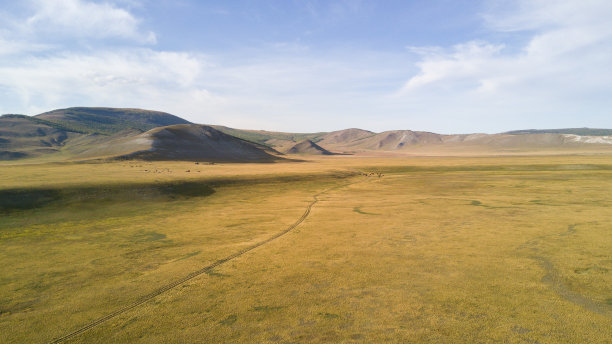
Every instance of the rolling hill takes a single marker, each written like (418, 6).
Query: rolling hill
(89, 133)
(65, 133)
(278, 140)
(24, 136)
(396, 139)
(308, 147)
(175, 142)
(192, 142)
(420, 142)
(342, 137)
(109, 121)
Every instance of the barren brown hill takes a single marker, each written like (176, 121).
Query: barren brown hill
(418, 142)
(344, 137)
(396, 139)
(308, 147)
(509, 140)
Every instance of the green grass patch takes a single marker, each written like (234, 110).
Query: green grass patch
(189, 255)
(359, 211)
(230, 320)
(267, 308)
(329, 315)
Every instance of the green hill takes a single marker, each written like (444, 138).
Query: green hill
(108, 121)
(268, 138)
(63, 133)
(24, 136)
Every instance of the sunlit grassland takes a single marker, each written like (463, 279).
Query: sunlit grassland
(487, 249)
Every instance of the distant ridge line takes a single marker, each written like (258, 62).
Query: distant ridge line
(86, 133)
(570, 131)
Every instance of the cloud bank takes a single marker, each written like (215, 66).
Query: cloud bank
(560, 74)
(553, 72)
(79, 18)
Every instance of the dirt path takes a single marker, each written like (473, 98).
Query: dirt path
(194, 274)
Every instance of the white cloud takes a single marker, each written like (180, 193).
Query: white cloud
(551, 52)
(562, 71)
(128, 78)
(521, 15)
(275, 94)
(463, 62)
(80, 18)
(12, 47)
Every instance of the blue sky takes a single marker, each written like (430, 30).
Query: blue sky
(302, 66)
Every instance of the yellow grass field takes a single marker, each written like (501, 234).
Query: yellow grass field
(514, 249)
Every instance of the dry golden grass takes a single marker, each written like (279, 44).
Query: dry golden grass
(488, 249)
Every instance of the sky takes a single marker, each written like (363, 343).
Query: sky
(446, 66)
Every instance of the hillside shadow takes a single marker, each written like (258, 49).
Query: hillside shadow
(25, 199)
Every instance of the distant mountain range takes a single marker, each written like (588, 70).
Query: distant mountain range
(571, 131)
(111, 133)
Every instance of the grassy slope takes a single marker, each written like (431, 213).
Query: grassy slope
(24, 136)
(62, 134)
(45, 123)
(437, 250)
(109, 121)
(85, 131)
(263, 137)
(309, 148)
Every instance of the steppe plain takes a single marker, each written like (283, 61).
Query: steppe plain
(482, 249)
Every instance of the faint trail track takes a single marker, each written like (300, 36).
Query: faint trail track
(195, 274)
(554, 279)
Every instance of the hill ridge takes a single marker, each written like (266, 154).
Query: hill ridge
(308, 147)
(194, 142)
(571, 131)
(107, 121)
(89, 132)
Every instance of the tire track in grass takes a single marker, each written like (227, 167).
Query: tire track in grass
(194, 274)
